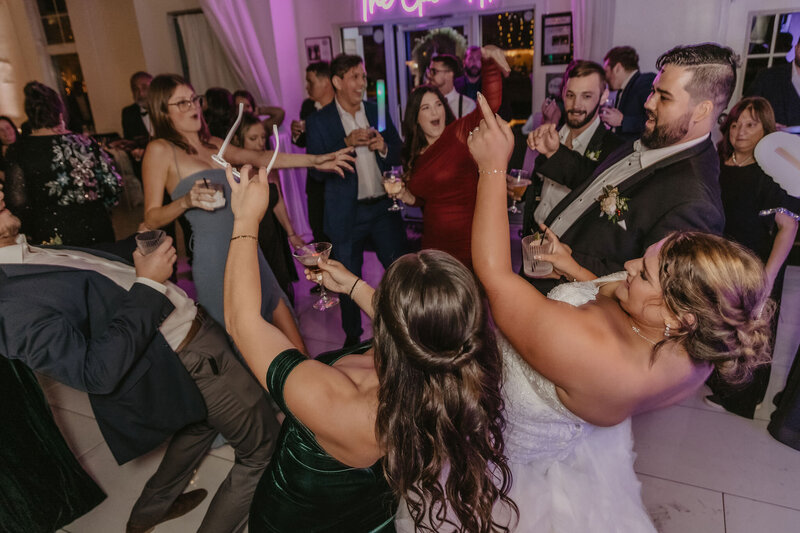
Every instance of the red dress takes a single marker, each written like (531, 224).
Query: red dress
(445, 178)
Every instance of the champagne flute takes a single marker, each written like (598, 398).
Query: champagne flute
(393, 184)
(309, 256)
(518, 180)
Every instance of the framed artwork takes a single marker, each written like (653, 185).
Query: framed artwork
(319, 49)
(557, 38)
(553, 84)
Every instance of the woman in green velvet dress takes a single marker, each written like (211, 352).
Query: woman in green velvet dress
(364, 429)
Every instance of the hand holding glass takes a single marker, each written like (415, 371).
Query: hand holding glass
(309, 256)
(534, 245)
(518, 181)
(393, 183)
(148, 241)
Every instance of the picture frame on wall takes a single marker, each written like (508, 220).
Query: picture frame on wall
(557, 38)
(319, 49)
(553, 84)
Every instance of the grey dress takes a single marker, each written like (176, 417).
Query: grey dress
(210, 241)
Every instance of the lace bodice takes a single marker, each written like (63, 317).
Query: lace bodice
(538, 425)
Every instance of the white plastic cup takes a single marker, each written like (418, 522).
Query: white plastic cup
(531, 247)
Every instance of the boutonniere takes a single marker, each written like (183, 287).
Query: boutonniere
(612, 205)
(594, 155)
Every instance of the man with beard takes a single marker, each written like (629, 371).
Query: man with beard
(780, 85)
(584, 140)
(668, 180)
(627, 117)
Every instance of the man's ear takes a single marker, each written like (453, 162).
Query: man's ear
(702, 111)
(337, 82)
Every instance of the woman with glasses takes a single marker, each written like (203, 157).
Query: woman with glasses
(178, 159)
(442, 175)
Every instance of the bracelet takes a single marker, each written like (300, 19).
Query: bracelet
(244, 237)
(350, 294)
(493, 171)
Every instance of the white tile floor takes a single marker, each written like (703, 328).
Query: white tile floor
(702, 470)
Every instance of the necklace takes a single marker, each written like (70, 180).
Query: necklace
(639, 332)
(748, 158)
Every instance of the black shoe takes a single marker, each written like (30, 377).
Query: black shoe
(182, 505)
(315, 289)
(352, 340)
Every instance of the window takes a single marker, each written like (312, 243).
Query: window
(55, 21)
(770, 42)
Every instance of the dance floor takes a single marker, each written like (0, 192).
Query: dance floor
(702, 470)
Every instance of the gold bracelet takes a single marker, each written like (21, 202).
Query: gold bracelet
(244, 237)
(493, 171)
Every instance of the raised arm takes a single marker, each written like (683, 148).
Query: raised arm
(338, 162)
(493, 67)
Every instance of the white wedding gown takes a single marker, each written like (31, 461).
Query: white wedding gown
(568, 475)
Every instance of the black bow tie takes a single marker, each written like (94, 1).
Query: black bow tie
(144, 113)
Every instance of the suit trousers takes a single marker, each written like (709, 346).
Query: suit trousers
(384, 229)
(238, 409)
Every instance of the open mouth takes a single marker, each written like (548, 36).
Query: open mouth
(436, 122)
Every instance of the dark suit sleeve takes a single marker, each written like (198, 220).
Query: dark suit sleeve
(127, 125)
(306, 109)
(693, 215)
(315, 143)
(48, 342)
(566, 167)
(634, 115)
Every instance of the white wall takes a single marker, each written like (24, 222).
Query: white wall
(158, 41)
(108, 44)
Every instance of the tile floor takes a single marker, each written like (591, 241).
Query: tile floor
(702, 470)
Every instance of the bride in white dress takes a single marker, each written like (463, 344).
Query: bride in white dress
(579, 364)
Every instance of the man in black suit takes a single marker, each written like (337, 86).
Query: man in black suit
(627, 117)
(584, 138)
(670, 177)
(152, 362)
(136, 126)
(780, 85)
(320, 92)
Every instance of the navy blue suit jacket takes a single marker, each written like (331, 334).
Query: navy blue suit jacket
(775, 84)
(324, 134)
(82, 329)
(631, 105)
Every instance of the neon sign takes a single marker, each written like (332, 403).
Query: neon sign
(409, 6)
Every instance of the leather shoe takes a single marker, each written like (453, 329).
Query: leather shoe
(182, 505)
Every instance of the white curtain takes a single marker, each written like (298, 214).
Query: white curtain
(293, 185)
(207, 60)
(593, 28)
(234, 23)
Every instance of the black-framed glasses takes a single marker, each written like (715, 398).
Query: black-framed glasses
(186, 105)
(435, 71)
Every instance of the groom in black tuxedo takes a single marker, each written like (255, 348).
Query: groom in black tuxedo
(152, 362)
(666, 181)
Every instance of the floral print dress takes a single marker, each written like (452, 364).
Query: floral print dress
(62, 187)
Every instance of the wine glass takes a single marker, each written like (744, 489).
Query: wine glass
(309, 255)
(518, 180)
(393, 183)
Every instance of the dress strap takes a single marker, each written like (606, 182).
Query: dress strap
(279, 371)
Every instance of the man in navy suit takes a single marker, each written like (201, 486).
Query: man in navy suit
(356, 206)
(627, 117)
(152, 362)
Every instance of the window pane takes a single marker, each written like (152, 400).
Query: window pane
(46, 7)
(61, 6)
(754, 65)
(66, 28)
(761, 34)
(52, 31)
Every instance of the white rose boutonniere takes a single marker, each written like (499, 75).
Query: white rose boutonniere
(612, 205)
(594, 155)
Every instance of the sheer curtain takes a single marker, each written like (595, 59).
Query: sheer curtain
(593, 24)
(206, 59)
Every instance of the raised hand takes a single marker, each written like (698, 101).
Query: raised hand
(250, 196)
(611, 116)
(338, 161)
(157, 265)
(561, 257)
(335, 276)
(358, 137)
(492, 142)
(376, 142)
(544, 140)
(498, 56)
(551, 113)
(298, 127)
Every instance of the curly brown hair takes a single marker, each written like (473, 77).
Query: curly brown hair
(718, 291)
(440, 410)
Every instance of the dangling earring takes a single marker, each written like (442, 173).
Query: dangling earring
(666, 329)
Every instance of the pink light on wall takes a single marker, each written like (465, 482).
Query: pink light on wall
(409, 6)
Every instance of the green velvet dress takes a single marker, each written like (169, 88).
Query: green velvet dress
(304, 488)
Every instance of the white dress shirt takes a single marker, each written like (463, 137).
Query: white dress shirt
(553, 192)
(467, 105)
(174, 328)
(641, 158)
(146, 120)
(370, 181)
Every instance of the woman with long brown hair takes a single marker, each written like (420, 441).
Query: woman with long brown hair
(178, 159)
(419, 415)
(594, 353)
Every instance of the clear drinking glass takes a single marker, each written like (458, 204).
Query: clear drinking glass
(393, 183)
(309, 255)
(148, 241)
(533, 245)
(518, 180)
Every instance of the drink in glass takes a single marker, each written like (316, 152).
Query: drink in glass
(309, 256)
(518, 181)
(148, 241)
(533, 245)
(393, 184)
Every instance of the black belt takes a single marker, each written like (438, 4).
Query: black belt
(371, 200)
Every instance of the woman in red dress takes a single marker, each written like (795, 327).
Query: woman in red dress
(443, 176)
